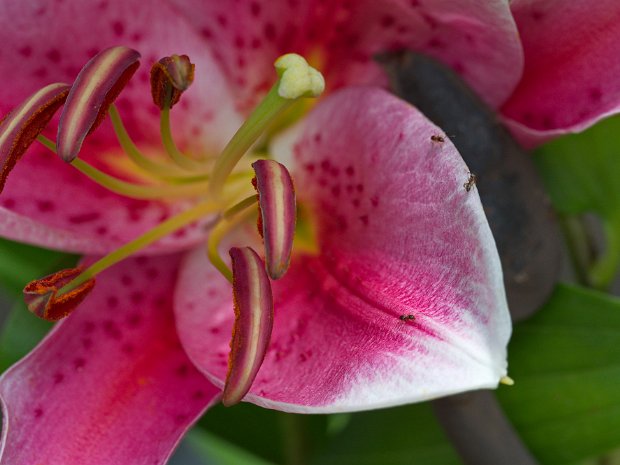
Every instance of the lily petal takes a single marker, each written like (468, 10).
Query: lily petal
(570, 81)
(398, 234)
(110, 384)
(253, 323)
(276, 197)
(47, 203)
(478, 39)
(96, 87)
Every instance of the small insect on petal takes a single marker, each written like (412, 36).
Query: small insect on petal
(253, 304)
(170, 77)
(96, 87)
(276, 196)
(41, 295)
(22, 126)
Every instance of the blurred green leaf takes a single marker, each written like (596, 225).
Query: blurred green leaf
(566, 366)
(408, 435)
(581, 173)
(21, 263)
(220, 451)
(274, 436)
(20, 333)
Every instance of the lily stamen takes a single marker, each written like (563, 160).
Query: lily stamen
(231, 218)
(128, 189)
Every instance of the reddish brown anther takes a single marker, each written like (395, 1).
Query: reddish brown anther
(170, 77)
(20, 128)
(41, 295)
(253, 304)
(96, 87)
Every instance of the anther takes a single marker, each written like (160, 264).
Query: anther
(170, 77)
(253, 305)
(41, 296)
(22, 126)
(95, 89)
(277, 214)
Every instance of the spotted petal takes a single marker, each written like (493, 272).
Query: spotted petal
(570, 79)
(476, 38)
(110, 385)
(398, 234)
(48, 203)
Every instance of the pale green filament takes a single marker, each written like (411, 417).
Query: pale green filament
(182, 160)
(129, 189)
(148, 165)
(161, 230)
(228, 222)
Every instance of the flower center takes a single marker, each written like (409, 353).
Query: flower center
(221, 188)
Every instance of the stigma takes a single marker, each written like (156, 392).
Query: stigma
(224, 187)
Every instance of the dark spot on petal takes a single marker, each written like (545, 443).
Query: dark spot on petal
(364, 219)
(84, 218)
(255, 9)
(119, 28)
(111, 329)
(79, 363)
(38, 412)
(53, 55)
(45, 206)
(112, 301)
(270, 32)
(182, 370)
(58, 378)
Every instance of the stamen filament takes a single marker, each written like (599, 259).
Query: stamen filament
(223, 227)
(127, 144)
(245, 203)
(129, 189)
(246, 135)
(161, 230)
(182, 160)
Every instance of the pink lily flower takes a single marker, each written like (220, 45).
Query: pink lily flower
(395, 297)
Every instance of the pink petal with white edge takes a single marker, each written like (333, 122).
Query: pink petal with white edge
(111, 383)
(50, 204)
(398, 234)
(570, 79)
(477, 39)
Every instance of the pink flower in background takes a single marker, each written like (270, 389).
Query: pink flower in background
(394, 231)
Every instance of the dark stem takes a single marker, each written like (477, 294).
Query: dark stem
(479, 430)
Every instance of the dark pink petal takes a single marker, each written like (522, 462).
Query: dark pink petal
(477, 39)
(41, 295)
(253, 306)
(20, 128)
(171, 75)
(398, 234)
(110, 385)
(96, 87)
(570, 79)
(276, 197)
(48, 203)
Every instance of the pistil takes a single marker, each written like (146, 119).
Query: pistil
(296, 79)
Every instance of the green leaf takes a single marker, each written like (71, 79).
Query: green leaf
(21, 263)
(408, 435)
(220, 451)
(274, 436)
(20, 333)
(566, 366)
(581, 173)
